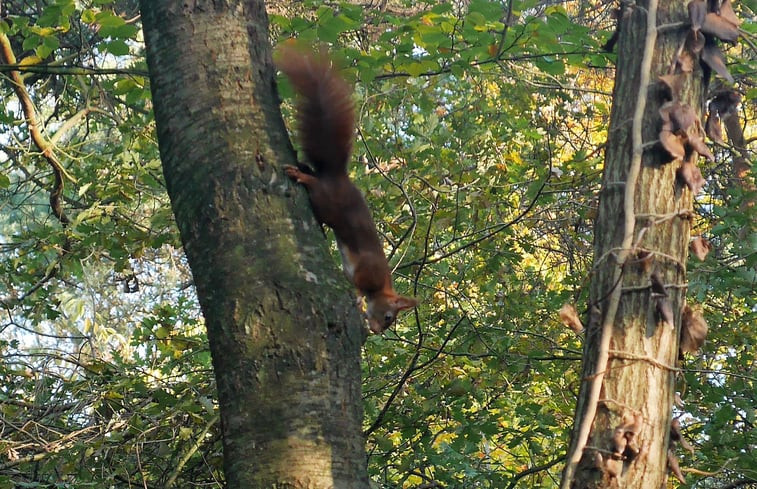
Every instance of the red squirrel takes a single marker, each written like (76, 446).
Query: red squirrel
(326, 117)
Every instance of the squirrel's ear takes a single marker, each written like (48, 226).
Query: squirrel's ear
(402, 302)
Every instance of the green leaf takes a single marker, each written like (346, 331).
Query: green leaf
(106, 18)
(117, 48)
(88, 16)
(49, 44)
(551, 65)
(31, 42)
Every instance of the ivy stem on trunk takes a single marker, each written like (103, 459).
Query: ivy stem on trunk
(629, 224)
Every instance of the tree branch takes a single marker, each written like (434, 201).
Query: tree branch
(6, 53)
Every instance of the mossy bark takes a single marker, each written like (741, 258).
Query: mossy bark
(639, 377)
(284, 332)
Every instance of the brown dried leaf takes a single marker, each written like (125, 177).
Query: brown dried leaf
(596, 459)
(677, 436)
(675, 468)
(644, 259)
(694, 42)
(614, 467)
(619, 442)
(677, 400)
(664, 310)
(632, 451)
(664, 111)
(688, 174)
(687, 446)
(657, 285)
(693, 330)
(633, 426)
(713, 128)
(700, 247)
(673, 144)
(725, 102)
(671, 85)
(697, 11)
(686, 62)
(714, 58)
(682, 117)
(719, 27)
(569, 317)
(727, 13)
(675, 430)
(697, 144)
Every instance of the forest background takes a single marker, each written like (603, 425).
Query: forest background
(480, 150)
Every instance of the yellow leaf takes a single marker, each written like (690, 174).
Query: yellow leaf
(30, 60)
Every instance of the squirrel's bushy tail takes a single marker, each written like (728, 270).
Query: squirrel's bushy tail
(326, 111)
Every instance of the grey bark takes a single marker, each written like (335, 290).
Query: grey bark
(639, 376)
(284, 332)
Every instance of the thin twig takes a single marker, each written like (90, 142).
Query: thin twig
(195, 446)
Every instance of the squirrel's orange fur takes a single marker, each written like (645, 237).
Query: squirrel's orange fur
(326, 125)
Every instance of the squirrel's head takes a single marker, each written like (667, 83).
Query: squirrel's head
(382, 309)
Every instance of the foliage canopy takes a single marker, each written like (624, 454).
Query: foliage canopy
(481, 130)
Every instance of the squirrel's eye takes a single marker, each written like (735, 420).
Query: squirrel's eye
(388, 318)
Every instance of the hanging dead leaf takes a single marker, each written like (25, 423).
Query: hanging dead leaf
(671, 86)
(686, 62)
(700, 247)
(694, 42)
(678, 401)
(688, 174)
(686, 445)
(675, 430)
(633, 426)
(665, 110)
(614, 466)
(596, 459)
(677, 436)
(713, 57)
(619, 442)
(727, 13)
(719, 27)
(644, 259)
(664, 311)
(725, 102)
(713, 128)
(657, 286)
(693, 330)
(632, 451)
(681, 116)
(697, 11)
(569, 317)
(696, 142)
(674, 467)
(673, 144)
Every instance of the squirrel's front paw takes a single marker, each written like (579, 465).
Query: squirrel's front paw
(293, 172)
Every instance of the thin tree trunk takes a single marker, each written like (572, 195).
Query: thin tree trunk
(284, 331)
(642, 229)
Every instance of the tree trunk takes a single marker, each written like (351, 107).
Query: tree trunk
(642, 230)
(284, 332)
